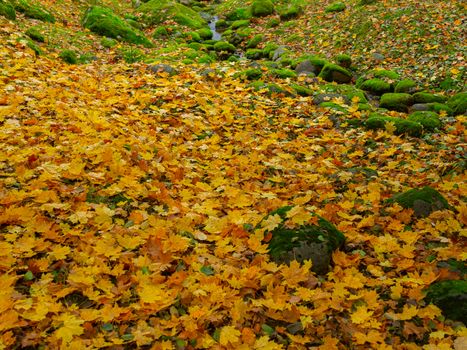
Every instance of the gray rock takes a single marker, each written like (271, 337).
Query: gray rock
(306, 67)
(420, 107)
(162, 68)
(278, 52)
(378, 57)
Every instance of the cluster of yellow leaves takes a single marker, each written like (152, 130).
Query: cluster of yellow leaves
(129, 202)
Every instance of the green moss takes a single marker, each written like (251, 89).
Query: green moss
(254, 42)
(290, 12)
(458, 103)
(254, 54)
(348, 90)
(367, 2)
(405, 85)
(160, 32)
(423, 201)
(364, 107)
(252, 74)
(35, 34)
(375, 86)
(69, 56)
(336, 7)
(396, 101)
(240, 23)
(383, 73)
(206, 59)
(429, 120)
(269, 49)
(205, 33)
(257, 85)
(305, 242)
(425, 97)
(274, 22)
(283, 73)
(33, 46)
(402, 126)
(104, 22)
(192, 37)
(260, 8)
(334, 72)
(7, 10)
(33, 10)
(224, 46)
(131, 55)
(439, 107)
(108, 42)
(238, 14)
(301, 90)
(344, 60)
(450, 297)
(158, 11)
(317, 61)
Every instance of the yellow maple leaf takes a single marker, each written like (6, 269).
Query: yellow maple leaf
(272, 222)
(70, 327)
(298, 215)
(390, 127)
(229, 335)
(361, 315)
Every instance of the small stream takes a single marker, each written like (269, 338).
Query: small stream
(212, 25)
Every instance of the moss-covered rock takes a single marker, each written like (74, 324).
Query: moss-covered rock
(450, 297)
(7, 10)
(283, 73)
(35, 34)
(347, 90)
(69, 56)
(406, 85)
(429, 120)
(383, 73)
(260, 8)
(33, 10)
(458, 103)
(252, 74)
(423, 201)
(269, 49)
(224, 46)
(375, 86)
(158, 11)
(334, 72)
(335, 7)
(334, 106)
(238, 14)
(301, 90)
(274, 22)
(314, 242)
(103, 21)
(204, 33)
(254, 54)
(344, 60)
(290, 12)
(108, 42)
(425, 97)
(254, 42)
(396, 101)
(402, 126)
(240, 23)
(440, 107)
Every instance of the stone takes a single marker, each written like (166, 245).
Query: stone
(451, 297)
(396, 101)
(162, 68)
(422, 200)
(314, 242)
(306, 67)
(333, 72)
(420, 107)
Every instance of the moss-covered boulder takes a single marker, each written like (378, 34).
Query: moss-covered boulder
(317, 62)
(224, 46)
(458, 103)
(396, 101)
(402, 126)
(283, 73)
(429, 120)
(35, 34)
(335, 7)
(308, 241)
(440, 107)
(423, 201)
(344, 60)
(302, 90)
(238, 13)
(334, 72)
(34, 10)
(375, 86)
(103, 21)
(69, 56)
(406, 85)
(252, 74)
(347, 90)
(426, 97)
(7, 10)
(254, 42)
(450, 297)
(158, 11)
(290, 12)
(260, 8)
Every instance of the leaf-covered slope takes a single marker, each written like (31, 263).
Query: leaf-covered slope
(129, 205)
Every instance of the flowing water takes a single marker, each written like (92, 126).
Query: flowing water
(212, 25)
